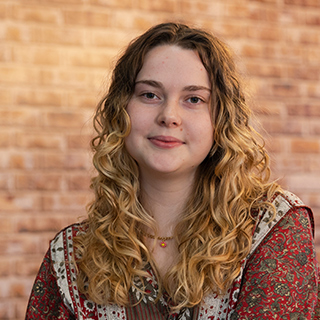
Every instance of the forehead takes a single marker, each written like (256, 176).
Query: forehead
(173, 61)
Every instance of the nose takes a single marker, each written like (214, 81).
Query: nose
(169, 114)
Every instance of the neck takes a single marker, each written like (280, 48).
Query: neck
(165, 199)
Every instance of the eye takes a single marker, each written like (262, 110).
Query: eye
(195, 100)
(149, 95)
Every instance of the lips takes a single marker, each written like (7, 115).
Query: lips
(166, 142)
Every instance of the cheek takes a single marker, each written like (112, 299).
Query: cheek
(205, 131)
(206, 140)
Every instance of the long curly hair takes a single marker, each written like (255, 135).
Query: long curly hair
(215, 232)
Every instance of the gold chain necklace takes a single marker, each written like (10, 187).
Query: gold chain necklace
(163, 240)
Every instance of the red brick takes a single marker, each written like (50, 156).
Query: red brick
(285, 90)
(30, 264)
(304, 72)
(293, 17)
(19, 202)
(40, 98)
(312, 54)
(6, 96)
(309, 37)
(21, 303)
(265, 33)
(312, 164)
(68, 161)
(16, 74)
(258, 50)
(307, 3)
(64, 119)
(76, 217)
(4, 181)
(42, 14)
(88, 18)
(39, 223)
(5, 53)
(313, 18)
(110, 38)
(292, 164)
(112, 3)
(79, 141)
(79, 182)
(18, 117)
(304, 182)
(19, 288)
(238, 10)
(82, 100)
(59, 2)
(314, 201)
(278, 126)
(204, 7)
(3, 10)
(77, 79)
(314, 90)
(78, 160)
(70, 201)
(275, 145)
(39, 140)
(237, 29)
(304, 110)
(163, 6)
(265, 1)
(6, 308)
(305, 146)
(19, 244)
(7, 224)
(15, 33)
(54, 35)
(265, 107)
(22, 160)
(124, 19)
(37, 55)
(6, 139)
(6, 267)
(265, 69)
(316, 129)
(38, 181)
(91, 58)
(293, 53)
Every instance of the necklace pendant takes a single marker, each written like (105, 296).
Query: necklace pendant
(163, 244)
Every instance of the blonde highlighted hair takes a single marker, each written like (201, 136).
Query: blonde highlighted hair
(215, 231)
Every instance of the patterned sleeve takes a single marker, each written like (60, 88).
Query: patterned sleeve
(45, 301)
(281, 277)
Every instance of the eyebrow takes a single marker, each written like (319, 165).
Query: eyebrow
(157, 84)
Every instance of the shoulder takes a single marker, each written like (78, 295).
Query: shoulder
(63, 265)
(286, 200)
(61, 247)
(289, 210)
(280, 276)
(285, 203)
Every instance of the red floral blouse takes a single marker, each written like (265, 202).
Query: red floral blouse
(279, 279)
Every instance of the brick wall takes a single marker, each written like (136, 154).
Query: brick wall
(55, 58)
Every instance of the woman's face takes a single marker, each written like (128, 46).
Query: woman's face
(172, 130)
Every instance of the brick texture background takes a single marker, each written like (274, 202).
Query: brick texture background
(55, 59)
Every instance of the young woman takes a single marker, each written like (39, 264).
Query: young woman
(185, 224)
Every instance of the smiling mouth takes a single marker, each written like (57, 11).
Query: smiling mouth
(165, 142)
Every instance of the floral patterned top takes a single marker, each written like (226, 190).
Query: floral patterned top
(279, 279)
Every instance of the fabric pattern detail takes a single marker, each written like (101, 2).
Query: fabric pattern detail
(111, 312)
(45, 301)
(281, 281)
(278, 279)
